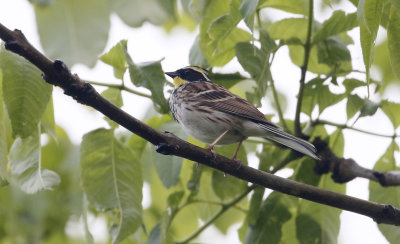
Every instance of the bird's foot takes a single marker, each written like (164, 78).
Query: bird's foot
(237, 162)
(211, 148)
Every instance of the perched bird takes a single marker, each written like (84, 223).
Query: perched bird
(212, 114)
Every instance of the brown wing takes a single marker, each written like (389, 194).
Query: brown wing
(221, 99)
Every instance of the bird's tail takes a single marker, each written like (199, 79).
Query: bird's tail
(286, 139)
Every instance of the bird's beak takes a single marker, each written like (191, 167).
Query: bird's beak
(171, 74)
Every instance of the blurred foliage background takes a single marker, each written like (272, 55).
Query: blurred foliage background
(49, 183)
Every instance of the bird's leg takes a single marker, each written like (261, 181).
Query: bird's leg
(237, 150)
(235, 154)
(212, 145)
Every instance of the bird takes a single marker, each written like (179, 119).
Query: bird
(213, 115)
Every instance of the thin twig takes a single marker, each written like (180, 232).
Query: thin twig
(224, 208)
(278, 105)
(121, 87)
(345, 126)
(217, 203)
(304, 67)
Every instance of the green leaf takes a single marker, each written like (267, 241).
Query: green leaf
(288, 29)
(252, 60)
(309, 97)
(165, 234)
(339, 22)
(135, 12)
(168, 167)
(325, 98)
(369, 15)
(25, 166)
(274, 212)
(351, 84)
(303, 172)
(73, 30)
(315, 93)
(25, 93)
(231, 217)
(226, 80)
(394, 40)
(208, 11)
(395, 3)
(225, 52)
(247, 9)
(112, 179)
(336, 142)
(3, 138)
(58, 151)
(48, 124)
(392, 110)
(88, 235)
(187, 215)
(297, 55)
(154, 237)
(113, 95)
(291, 6)
(42, 2)
(218, 31)
(116, 58)
(317, 223)
(196, 56)
(255, 205)
(354, 104)
(206, 210)
(226, 186)
(386, 195)
(383, 63)
(223, 25)
(150, 76)
(369, 108)
(175, 199)
(334, 52)
(268, 44)
(197, 9)
(256, 63)
(385, 13)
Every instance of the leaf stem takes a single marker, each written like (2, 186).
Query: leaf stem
(345, 126)
(217, 203)
(278, 105)
(223, 209)
(307, 49)
(121, 87)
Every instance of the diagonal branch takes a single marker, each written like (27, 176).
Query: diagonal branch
(121, 87)
(345, 170)
(304, 67)
(57, 73)
(345, 126)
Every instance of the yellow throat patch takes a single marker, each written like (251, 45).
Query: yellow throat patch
(179, 81)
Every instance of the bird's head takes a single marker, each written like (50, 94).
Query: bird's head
(188, 74)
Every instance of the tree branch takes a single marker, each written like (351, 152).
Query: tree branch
(304, 67)
(57, 73)
(345, 170)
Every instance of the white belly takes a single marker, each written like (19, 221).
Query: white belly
(206, 127)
